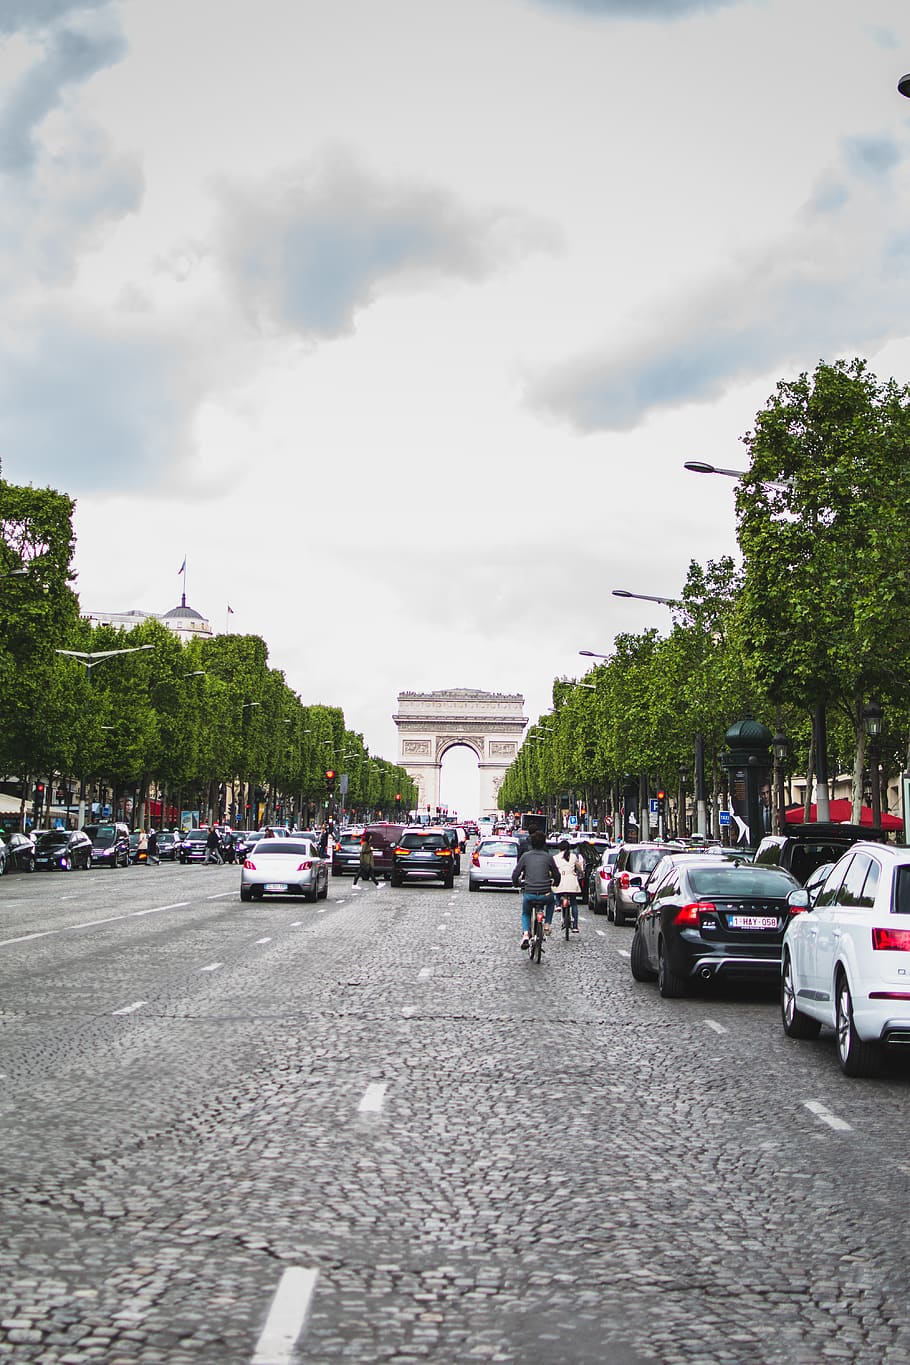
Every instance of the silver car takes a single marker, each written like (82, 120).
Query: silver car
(492, 863)
(599, 881)
(284, 867)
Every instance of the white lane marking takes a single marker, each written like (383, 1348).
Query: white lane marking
(373, 1098)
(263, 940)
(424, 973)
(90, 924)
(296, 923)
(623, 953)
(600, 933)
(212, 967)
(582, 920)
(287, 1315)
(408, 1010)
(821, 1112)
(131, 1009)
(221, 895)
(322, 909)
(713, 1024)
(442, 926)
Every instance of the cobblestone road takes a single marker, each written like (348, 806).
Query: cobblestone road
(479, 1159)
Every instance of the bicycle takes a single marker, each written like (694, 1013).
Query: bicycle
(535, 941)
(566, 908)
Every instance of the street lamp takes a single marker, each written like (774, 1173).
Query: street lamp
(590, 654)
(903, 86)
(643, 597)
(781, 747)
(14, 573)
(89, 660)
(872, 724)
(700, 467)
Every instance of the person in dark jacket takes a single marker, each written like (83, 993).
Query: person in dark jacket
(536, 872)
(213, 847)
(367, 866)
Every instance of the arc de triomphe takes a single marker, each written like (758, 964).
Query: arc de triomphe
(430, 723)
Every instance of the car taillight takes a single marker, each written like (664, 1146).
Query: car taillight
(475, 859)
(624, 880)
(443, 853)
(605, 874)
(305, 866)
(249, 865)
(891, 940)
(688, 916)
(403, 851)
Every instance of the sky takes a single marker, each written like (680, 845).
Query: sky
(398, 318)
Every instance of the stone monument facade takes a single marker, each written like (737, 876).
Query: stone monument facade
(492, 724)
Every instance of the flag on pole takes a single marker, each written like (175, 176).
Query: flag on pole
(182, 568)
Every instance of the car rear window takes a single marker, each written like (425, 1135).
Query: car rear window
(644, 859)
(422, 841)
(52, 840)
(490, 847)
(350, 842)
(283, 846)
(726, 881)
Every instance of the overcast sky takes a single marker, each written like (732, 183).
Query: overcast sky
(398, 318)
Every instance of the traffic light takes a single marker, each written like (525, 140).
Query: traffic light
(661, 803)
(39, 793)
(330, 774)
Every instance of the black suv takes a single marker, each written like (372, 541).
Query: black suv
(423, 853)
(110, 844)
(804, 848)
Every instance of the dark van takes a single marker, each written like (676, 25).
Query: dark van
(805, 847)
(384, 837)
(110, 844)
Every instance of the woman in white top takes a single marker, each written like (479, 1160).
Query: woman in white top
(571, 874)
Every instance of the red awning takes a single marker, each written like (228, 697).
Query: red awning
(841, 813)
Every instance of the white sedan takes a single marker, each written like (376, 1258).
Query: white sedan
(492, 863)
(846, 961)
(284, 867)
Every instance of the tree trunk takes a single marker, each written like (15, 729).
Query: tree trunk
(859, 763)
(810, 775)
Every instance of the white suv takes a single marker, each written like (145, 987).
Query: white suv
(846, 961)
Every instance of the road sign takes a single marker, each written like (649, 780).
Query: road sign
(653, 806)
(725, 817)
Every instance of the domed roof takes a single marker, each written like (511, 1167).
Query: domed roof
(183, 611)
(749, 734)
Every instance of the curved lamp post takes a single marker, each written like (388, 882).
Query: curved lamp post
(903, 86)
(872, 724)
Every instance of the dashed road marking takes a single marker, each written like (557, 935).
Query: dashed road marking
(212, 967)
(442, 926)
(408, 1010)
(424, 973)
(263, 940)
(623, 952)
(600, 933)
(287, 1315)
(713, 1024)
(295, 923)
(373, 1098)
(824, 1114)
(93, 923)
(131, 1009)
(222, 895)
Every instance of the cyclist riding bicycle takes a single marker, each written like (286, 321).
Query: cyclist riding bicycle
(571, 875)
(536, 872)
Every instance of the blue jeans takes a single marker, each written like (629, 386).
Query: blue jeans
(530, 898)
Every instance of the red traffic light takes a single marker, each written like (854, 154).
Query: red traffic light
(398, 796)
(329, 774)
(661, 795)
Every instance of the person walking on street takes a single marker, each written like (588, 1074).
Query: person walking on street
(152, 848)
(571, 875)
(212, 847)
(367, 866)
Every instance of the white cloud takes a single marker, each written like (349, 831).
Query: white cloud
(319, 242)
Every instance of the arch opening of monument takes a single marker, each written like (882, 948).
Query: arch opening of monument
(492, 724)
(459, 780)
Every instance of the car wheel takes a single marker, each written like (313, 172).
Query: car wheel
(618, 917)
(324, 893)
(246, 893)
(856, 1057)
(473, 886)
(448, 882)
(796, 1024)
(395, 879)
(670, 985)
(30, 865)
(638, 959)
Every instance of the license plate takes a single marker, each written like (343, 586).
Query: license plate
(753, 922)
(276, 886)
